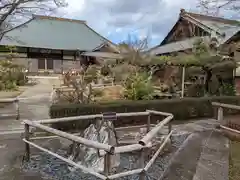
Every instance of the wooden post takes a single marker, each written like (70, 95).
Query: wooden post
(27, 146)
(169, 127)
(17, 109)
(45, 64)
(220, 114)
(107, 164)
(170, 130)
(183, 82)
(149, 122)
(142, 175)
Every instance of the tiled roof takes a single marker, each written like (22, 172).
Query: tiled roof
(54, 33)
(176, 46)
(225, 28)
(222, 29)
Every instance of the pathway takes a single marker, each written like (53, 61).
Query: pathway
(203, 157)
(34, 104)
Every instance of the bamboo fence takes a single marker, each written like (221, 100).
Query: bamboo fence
(220, 117)
(105, 150)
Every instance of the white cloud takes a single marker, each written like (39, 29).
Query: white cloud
(123, 17)
(74, 7)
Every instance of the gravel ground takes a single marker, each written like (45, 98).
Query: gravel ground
(52, 168)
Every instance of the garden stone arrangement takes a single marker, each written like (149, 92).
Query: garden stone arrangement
(88, 157)
(53, 168)
(160, 150)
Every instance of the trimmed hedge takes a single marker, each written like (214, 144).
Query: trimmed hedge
(182, 109)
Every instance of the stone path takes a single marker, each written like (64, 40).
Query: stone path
(214, 160)
(183, 164)
(34, 105)
(204, 157)
(35, 101)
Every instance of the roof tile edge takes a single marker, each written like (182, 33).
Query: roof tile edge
(209, 17)
(59, 19)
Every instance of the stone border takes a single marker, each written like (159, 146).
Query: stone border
(189, 152)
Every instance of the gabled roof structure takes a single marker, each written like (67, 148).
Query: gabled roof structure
(220, 28)
(177, 46)
(54, 33)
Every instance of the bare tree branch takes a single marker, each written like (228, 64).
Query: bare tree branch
(214, 7)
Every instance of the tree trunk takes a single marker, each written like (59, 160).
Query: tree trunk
(208, 78)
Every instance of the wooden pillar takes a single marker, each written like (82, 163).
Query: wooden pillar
(149, 122)
(183, 81)
(45, 61)
(169, 127)
(27, 146)
(107, 157)
(17, 109)
(220, 114)
(107, 163)
(169, 130)
(142, 175)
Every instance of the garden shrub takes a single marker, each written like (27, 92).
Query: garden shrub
(182, 109)
(97, 92)
(228, 89)
(138, 87)
(11, 75)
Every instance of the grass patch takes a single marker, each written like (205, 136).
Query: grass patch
(234, 161)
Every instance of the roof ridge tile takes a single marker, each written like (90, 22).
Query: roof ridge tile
(59, 18)
(208, 17)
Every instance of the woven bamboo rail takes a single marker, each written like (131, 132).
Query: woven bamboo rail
(105, 149)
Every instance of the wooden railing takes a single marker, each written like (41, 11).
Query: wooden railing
(105, 149)
(10, 101)
(220, 117)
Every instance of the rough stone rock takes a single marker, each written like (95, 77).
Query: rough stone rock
(89, 156)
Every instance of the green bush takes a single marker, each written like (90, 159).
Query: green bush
(11, 75)
(138, 87)
(228, 89)
(11, 85)
(182, 109)
(97, 92)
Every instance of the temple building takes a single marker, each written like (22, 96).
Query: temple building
(55, 45)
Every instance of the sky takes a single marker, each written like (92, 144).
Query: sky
(118, 20)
